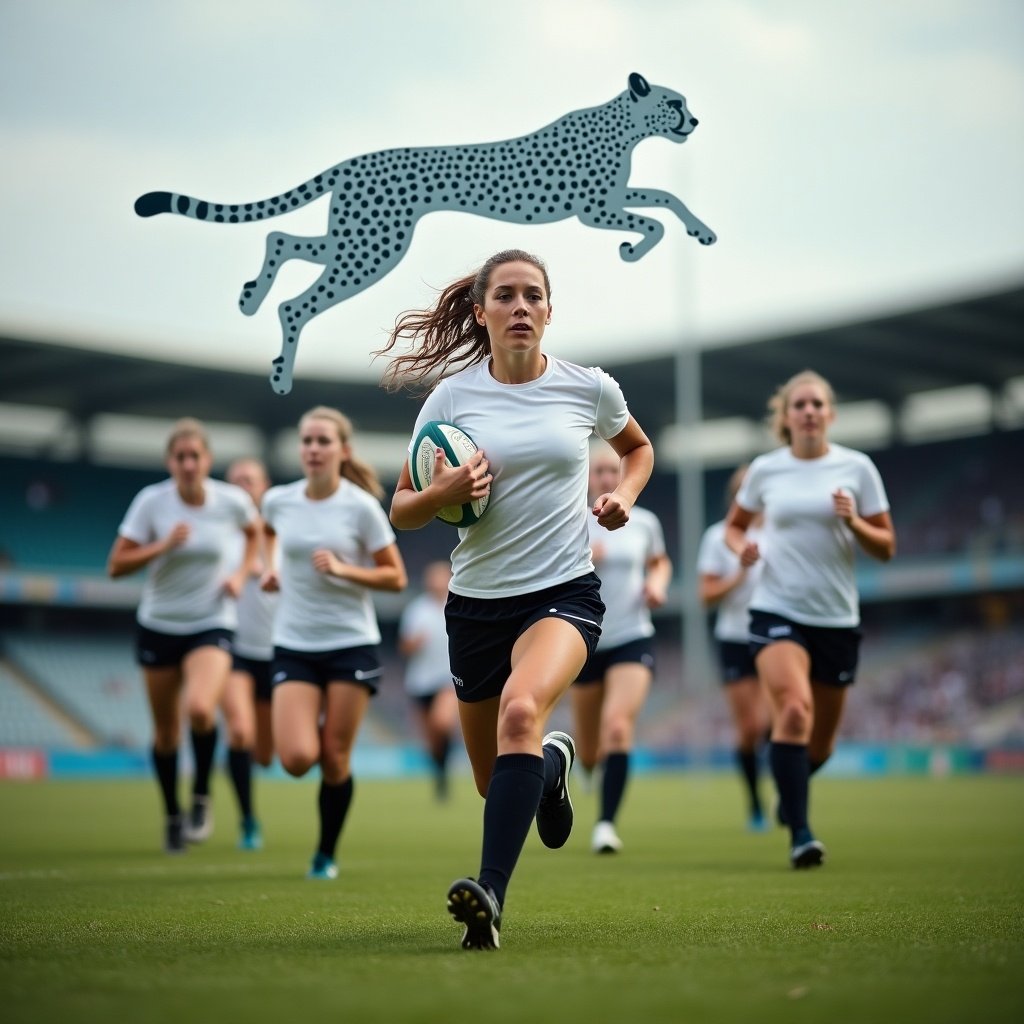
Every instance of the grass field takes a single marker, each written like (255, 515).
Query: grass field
(916, 917)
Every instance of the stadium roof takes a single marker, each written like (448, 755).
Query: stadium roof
(885, 359)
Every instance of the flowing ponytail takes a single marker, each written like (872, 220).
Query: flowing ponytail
(451, 338)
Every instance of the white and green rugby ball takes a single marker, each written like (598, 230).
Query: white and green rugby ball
(458, 447)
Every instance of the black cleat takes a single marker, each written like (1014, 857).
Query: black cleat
(174, 836)
(554, 815)
(199, 821)
(807, 855)
(475, 906)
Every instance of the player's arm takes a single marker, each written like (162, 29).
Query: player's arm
(656, 581)
(128, 556)
(736, 524)
(636, 461)
(387, 572)
(412, 509)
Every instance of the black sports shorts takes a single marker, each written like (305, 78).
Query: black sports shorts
(833, 649)
(258, 669)
(162, 650)
(639, 651)
(483, 631)
(359, 665)
(736, 661)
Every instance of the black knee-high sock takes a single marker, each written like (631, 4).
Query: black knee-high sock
(614, 774)
(813, 766)
(440, 755)
(513, 796)
(334, 802)
(166, 768)
(240, 770)
(790, 768)
(203, 746)
(747, 761)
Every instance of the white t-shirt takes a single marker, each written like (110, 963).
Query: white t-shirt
(622, 566)
(256, 608)
(318, 612)
(428, 670)
(809, 552)
(254, 633)
(536, 439)
(184, 588)
(716, 558)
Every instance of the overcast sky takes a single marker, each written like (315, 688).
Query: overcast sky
(852, 158)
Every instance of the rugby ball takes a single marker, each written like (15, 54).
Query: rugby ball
(457, 446)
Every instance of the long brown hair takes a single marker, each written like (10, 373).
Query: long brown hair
(353, 468)
(451, 338)
(779, 402)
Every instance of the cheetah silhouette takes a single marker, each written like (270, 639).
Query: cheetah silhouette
(577, 166)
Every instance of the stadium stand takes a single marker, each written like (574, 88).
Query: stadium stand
(935, 668)
(94, 679)
(25, 721)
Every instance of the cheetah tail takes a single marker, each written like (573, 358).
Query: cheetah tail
(152, 203)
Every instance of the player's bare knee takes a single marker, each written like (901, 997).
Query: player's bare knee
(201, 716)
(794, 718)
(618, 734)
(518, 721)
(297, 762)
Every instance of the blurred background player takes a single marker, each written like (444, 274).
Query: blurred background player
(336, 545)
(820, 501)
(607, 696)
(246, 703)
(726, 582)
(423, 640)
(184, 530)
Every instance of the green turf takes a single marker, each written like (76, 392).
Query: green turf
(916, 917)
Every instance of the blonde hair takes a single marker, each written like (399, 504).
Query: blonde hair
(778, 404)
(187, 427)
(361, 473)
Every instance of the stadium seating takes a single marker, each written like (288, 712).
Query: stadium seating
(95, 679)
(25, 721)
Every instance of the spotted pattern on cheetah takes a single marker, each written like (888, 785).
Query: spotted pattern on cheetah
(577, 166)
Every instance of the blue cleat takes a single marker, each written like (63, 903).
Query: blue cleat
(252, 836)
(323, 868)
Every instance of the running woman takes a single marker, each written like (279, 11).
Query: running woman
(525, 608)
(183, 532)
(635, 572)
(336, 546)
(726, 583)
(246, 703)
(423, 641)
(820, 501)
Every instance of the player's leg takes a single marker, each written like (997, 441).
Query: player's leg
(163, 688)
(440, 724)
(516, 768)
(345, 707)
(749, 712)
(239, 708)
(587, 696)
(205, 669)
(626, 687)
(783, 668)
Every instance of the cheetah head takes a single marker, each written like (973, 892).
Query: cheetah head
(659, 111)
